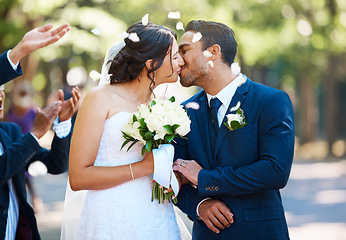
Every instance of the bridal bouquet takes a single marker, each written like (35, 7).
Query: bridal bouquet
(154, 126)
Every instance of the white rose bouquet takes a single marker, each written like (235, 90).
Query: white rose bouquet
(153, 126)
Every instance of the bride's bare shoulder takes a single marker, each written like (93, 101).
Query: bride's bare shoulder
(103, 93)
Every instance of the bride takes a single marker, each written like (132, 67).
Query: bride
(118, 203)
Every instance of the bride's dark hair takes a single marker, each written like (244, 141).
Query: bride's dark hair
(155, 42)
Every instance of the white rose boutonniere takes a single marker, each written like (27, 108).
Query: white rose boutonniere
(236, 121)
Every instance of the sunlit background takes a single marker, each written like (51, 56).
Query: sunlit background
(298, 46)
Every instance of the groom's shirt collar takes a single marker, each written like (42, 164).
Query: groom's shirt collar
(227, 93)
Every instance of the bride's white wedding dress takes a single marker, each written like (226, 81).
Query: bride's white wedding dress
(125, 211)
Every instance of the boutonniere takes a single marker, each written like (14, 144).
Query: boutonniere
(236, 121)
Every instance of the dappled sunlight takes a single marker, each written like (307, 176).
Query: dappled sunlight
(320, 170)
(319, 231)
(330, 197)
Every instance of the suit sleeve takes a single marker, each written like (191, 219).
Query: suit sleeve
(25, 149)
(276, 147)
(188, 197)
(56, 159)
(6, 71)
(17, 154)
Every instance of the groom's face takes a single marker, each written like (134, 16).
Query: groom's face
(194, 72)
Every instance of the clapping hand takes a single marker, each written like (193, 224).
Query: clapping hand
(70, 106)
(44, 119)
(37, 38)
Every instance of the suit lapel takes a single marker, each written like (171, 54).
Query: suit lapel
(239, 96)
(202, 122)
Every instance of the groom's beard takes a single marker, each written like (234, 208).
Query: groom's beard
(196, 77)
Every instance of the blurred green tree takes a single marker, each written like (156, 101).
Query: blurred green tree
(297, 45)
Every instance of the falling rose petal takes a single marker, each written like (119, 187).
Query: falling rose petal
(174, 15)
(192, 105)
(235, 108)
(95, 75)
(37, 168)
(235, 68)
(123, 35)
(145, 19)
(242, 80)
(211, 63)
(196, 37)
(133, 37)
(96, 31)
(207, 54)
(180, 26)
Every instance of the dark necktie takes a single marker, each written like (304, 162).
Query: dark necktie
(215, 104)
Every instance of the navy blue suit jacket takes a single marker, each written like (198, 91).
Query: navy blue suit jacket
(249, 165)
(6, 71)
(19, 151)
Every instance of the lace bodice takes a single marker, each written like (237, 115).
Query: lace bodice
(125, 211)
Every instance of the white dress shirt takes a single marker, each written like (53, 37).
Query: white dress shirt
(225, 96)
(14, 66)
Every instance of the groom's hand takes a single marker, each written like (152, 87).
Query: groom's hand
(215, 214)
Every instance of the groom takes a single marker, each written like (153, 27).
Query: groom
(234, 175)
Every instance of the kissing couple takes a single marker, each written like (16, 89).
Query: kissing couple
(230, 171)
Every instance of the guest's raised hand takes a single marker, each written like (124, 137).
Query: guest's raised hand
(37, 38)
(189, 168)
(70, 106)
(215, 214)
(44, 119)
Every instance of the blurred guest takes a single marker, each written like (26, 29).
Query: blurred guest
(17, 151)
(23, 113)
(32, 40)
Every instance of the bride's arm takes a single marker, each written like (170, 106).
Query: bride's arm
(85, 143)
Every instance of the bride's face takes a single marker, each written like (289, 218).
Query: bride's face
(171, 66)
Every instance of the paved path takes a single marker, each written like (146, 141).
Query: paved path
(314, 200)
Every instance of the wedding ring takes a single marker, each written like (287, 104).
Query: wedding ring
(181, 164)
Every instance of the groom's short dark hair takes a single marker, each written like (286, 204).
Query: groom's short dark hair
(216, 33)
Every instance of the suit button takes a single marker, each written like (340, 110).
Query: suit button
(216, 188)
(207, 188)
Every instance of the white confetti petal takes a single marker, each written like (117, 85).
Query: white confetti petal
(242, 80)
(37, 168)
(174, 15)
(180, 26)
(145, 19)
(235, 108)
(196, 37)
(96, 31)
(95, 75)
(192, 105)
(235, 68)
(206, 53)
(133, 37)
(211, 63)
(123, 35)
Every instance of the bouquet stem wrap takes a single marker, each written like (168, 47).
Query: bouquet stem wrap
(163, 174)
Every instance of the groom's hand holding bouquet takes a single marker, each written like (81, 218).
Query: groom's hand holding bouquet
(156, 126)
